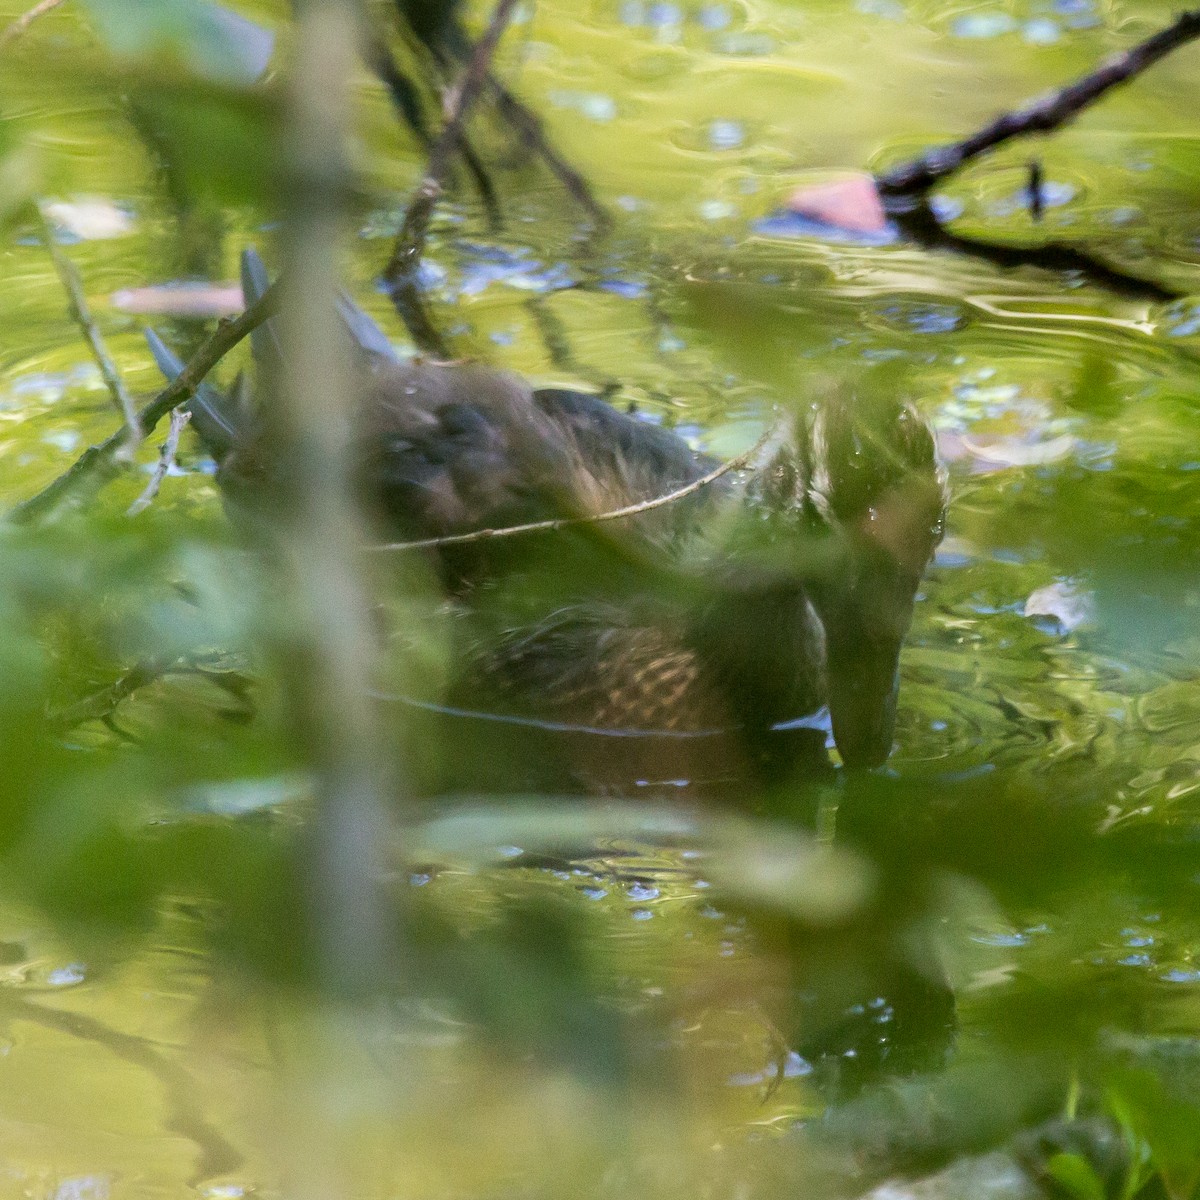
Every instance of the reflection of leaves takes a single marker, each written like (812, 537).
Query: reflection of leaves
(769, 867)
(756, 333)
(1172, 706)
(1096, 388)
(925, 1122)
(1063, 602)
(1020, 452)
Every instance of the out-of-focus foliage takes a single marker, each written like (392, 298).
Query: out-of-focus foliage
(980, 966)
(205, 39)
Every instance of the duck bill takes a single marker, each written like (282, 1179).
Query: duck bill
(862, 703)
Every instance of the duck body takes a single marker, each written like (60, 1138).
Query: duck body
(668, 643)
(637, 644)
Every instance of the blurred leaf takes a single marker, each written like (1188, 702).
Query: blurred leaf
(780, 869)
(224, 142)
(20, 179)
(212, 41)
(1159, 1103)
(482, 833)
(528, 977)
(1076, 1176)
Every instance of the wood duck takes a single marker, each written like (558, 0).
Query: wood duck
(734, 613)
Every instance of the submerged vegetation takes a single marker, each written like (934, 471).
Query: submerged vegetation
(350, 850)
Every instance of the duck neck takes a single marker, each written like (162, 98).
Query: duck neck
(765, 647)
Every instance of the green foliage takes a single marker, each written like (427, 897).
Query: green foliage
(1156, 1102)
(1076, 1177)
(224, 142)
(833, 981)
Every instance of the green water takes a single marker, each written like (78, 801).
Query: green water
(142, 1062)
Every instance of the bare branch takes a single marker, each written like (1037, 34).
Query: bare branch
(1043, 115)
(98, 464)
(166, 460)
(77, 305)
(922, 226)
(400, 274)
(616, 514)
(22, 23)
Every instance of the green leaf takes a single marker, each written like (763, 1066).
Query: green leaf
(224, 143)
(1076, 1176)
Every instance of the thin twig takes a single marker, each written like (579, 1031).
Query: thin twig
(166, 460)
(22, 23)
(1047, 113)
(78, 308)
(400, 274)
(616, 514)
(96, 466)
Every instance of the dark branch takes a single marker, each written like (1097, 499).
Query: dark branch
(98, 464)
(406, 100)
(1050, 112)
(404, 94)
(922, 227)
(439, 33)
(400, 274)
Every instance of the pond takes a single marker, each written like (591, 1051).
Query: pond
(995, 931)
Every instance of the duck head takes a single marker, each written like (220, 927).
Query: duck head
(862, 476)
